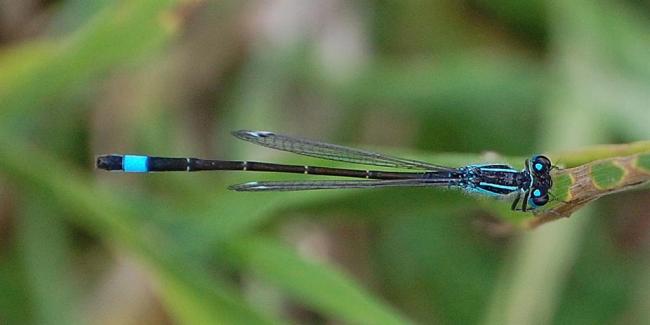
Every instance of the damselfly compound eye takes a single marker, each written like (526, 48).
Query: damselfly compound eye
(538, 196)
(541, 200)
(541, 164)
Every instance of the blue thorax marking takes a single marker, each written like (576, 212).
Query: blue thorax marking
(505, 187)
(532, 179)
(503, 170)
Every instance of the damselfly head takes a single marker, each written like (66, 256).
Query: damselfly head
(541, 180)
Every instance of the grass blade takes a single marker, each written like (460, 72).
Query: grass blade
(314, 284)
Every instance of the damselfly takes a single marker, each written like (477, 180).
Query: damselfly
(497, 180)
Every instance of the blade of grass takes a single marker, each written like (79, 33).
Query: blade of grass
(193, 298)
(316, 285)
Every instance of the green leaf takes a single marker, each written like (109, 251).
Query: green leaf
(580, 185)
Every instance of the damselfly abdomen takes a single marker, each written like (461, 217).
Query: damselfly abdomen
(532, 184)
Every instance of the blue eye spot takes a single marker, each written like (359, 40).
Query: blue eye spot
(537, 193)
(539, 166)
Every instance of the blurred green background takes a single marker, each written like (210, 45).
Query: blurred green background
(445, 81)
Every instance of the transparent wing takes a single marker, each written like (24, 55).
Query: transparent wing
(331, 151)
(333, 184)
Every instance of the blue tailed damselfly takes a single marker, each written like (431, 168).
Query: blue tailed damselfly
(497, 180)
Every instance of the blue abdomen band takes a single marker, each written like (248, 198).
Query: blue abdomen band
(135, 164)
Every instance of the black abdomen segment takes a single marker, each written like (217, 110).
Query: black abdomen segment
(143, 164)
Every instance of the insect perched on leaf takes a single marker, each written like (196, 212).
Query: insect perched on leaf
(529, 186)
